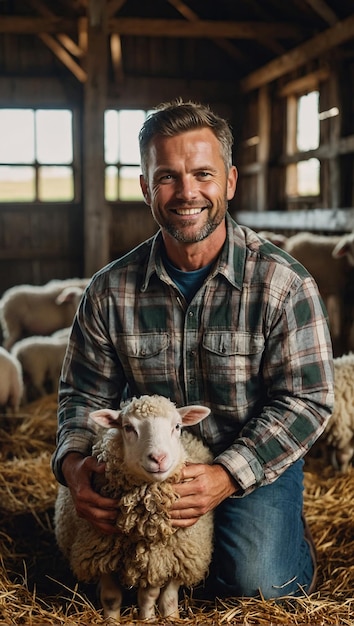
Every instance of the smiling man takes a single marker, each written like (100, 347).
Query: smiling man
(207, 312)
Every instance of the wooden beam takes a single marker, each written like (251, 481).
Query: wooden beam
(68, 43)
(96, 219)
(204, 28)
(63, 56)
(306, 83)
(35, 25)
(324, 10)
(338, 34)
(328, 220)
(114, 6)
(116, 56)
(224, 44)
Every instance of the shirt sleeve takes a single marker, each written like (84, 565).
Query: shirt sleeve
(92, 378)
(298, 381)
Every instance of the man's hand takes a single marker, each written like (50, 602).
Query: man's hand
(201, 489)
(99, 511)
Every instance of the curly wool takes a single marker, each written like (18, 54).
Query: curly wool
(339, 431)
(147, 550)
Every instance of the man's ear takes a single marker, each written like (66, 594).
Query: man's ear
(145, 190)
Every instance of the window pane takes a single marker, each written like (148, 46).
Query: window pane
(17, 136)
(17, 184)
(129, 183)
(55, 183)
(130, 123)
(111, 183)
(308, 126)
(308, 177)
(111, 136)
(54, 136)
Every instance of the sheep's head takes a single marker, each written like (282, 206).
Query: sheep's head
(151, 430)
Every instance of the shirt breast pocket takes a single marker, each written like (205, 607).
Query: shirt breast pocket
(232, 361)
(145, 356)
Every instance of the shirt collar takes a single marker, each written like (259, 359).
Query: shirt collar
(230, 263)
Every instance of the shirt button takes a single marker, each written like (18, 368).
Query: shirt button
(192, 381)
(190, 313)
(192, 353)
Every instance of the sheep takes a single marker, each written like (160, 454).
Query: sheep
(11, 382)
(277, 238)
(330, 260)
(39, 310)
(41, 358)
(144, 451)
(339, 431)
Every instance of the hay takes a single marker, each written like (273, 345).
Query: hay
(37, 588)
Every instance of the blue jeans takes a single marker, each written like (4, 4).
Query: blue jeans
(260, 546)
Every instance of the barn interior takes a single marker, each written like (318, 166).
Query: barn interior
(77, 79)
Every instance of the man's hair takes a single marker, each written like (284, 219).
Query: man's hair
(172, 118)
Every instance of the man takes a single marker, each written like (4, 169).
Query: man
(207, 312)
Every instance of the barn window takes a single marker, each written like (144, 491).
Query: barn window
(122, 158)
(303, 176)
(36, 155)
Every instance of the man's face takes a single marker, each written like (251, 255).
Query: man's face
(187, 186)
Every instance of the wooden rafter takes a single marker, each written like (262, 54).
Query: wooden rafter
(67, 42)
(338, 34)
(323, 10)
(158, 27)
(191, 16)
(63, 56)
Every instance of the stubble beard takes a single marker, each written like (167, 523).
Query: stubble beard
(182, 235)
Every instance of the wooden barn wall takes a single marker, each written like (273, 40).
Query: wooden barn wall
(261, 186)
(39, 242)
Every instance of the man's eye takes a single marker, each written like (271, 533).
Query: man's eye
(203, 174)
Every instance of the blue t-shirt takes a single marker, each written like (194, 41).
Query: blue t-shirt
(187, 282)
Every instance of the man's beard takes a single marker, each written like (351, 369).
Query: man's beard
(182, 235)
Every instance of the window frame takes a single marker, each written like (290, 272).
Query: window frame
(36, 165)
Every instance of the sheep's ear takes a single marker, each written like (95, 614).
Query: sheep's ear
(193, 414)
(341, 249)
(107, 418)
(68, 295)
(344, 247)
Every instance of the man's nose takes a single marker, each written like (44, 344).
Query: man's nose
(187, 187)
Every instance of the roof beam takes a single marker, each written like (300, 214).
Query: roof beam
(204, 28)
(328, 39)
(323, 10)
(191, 16)
(158, 27)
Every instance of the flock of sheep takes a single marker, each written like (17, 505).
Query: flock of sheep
(35, 323)
(144, 438)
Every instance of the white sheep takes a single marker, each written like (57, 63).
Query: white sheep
(41, 359)
(277, 238)
(144, 451)
(11, 382)
(330, 260)
(39, 310)
(339, 431)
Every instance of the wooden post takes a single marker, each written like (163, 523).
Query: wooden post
(263, 147)
(96, 214)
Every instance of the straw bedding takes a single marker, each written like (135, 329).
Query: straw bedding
(37, 588)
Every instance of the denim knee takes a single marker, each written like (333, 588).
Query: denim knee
(260, 549)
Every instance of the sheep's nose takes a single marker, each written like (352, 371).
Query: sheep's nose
(157, 457)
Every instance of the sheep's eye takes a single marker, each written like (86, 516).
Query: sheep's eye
(129, 428)
(178, 426)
